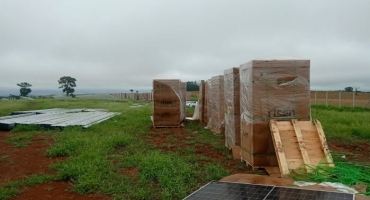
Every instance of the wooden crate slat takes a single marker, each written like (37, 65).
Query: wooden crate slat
(324, 144)
(301, 144)
(284, 170)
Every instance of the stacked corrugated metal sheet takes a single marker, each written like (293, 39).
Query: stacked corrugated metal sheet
(56, 117)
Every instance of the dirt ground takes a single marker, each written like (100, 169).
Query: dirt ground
(353, 152)
(18, 163)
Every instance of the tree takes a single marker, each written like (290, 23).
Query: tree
(131, 90)
(67, 83)
(25, 88)
(348, 89)
(357, 89)
(192, 86)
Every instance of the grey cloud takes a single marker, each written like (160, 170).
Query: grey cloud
(125, 44)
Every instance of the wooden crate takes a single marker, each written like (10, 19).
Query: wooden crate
(270, 89)
(300, 145)
(201, 102)
(232, 107)
(207, 110)
(168, 102)
(216, 105)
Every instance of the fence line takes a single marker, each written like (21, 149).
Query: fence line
(145, 96)
(340, 98)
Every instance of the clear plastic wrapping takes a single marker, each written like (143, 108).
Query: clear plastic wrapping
(270, 89)
(216, 104)
(169, 102)
(232, 107)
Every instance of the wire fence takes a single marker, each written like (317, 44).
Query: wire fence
(340, 98)
(144, 96)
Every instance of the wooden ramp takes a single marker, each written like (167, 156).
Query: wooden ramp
(299, 145)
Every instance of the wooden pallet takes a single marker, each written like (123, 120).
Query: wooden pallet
(254, 168)
(299, 145)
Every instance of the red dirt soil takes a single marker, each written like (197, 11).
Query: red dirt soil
(358, 152)
(55, 190)
(19, 163)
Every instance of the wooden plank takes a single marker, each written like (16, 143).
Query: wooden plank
(307, 126)
(273, 171)
(324, 144)
(284, 170)
(302, 145)
(295, 163)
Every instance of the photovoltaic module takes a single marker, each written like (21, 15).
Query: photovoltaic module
(235, 191)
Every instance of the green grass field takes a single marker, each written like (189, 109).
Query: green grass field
(98, 155)
(344, 124)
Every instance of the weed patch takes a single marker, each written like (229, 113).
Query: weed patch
(21, 140)
(6, 193)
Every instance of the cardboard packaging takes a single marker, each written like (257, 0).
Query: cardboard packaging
(168, 102)
(216, 105)
(232, 107)
(201, 102)
(270, 89)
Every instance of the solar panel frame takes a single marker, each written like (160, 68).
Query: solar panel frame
(234, 191)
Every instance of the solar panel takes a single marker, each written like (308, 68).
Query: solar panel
(235, 191)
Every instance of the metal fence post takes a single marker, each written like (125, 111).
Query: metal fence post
(353, 101)
(315, 97)
(367, 103)
(327, 98)
(340, 98)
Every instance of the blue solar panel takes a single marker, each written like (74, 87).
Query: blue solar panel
(236, 191)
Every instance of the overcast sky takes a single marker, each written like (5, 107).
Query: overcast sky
(126, 44)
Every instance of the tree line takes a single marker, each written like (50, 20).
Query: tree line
(66, 83)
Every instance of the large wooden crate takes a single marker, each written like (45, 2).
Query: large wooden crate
(168, 102)
(183, 92)
(232, 107)
(207, 100)
(201, 102)
(216, 105)
(270, 89)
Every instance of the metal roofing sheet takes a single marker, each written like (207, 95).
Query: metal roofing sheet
(57, 117)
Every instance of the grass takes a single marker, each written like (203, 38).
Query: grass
(99, 154)
(21, 140)
(24, 134)
(6, 107)
(11, 188)
(6, 193)
(345, 172)
(344, 124)
(34, 179)
(113, 158)
(3, 158)
(194, 97)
